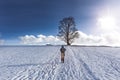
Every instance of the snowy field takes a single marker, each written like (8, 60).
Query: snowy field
(43, 63)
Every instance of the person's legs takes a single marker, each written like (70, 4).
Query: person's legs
(62, 60)
(62, 57)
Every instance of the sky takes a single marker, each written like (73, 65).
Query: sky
(36, 21)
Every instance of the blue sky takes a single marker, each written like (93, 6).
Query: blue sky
(34, 17)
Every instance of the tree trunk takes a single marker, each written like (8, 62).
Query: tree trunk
(68, 43)
(68, 34)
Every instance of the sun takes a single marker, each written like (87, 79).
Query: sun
(107, 23)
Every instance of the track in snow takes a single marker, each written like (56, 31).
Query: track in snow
(81, 63)
(51, 70)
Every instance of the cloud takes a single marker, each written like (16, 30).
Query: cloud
(40, 40)
(109, 39)
(2, 42)
(84, 39)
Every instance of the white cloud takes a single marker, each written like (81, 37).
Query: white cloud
(84, 39)
(2, 42)
(103, 39)
(40, 40)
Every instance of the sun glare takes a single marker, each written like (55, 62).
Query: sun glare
(107, 23)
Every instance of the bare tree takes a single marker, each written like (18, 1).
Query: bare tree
(67, 30)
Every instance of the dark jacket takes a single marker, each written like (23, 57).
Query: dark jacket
(62, 49)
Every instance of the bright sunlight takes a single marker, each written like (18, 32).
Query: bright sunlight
(107, 23)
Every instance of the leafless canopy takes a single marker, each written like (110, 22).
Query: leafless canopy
(67, 30)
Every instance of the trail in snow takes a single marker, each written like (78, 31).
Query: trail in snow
(99, 64)
(51, 70)
(81, 63)
(42, 71)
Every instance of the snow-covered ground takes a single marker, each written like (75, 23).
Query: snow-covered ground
(43, 63)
